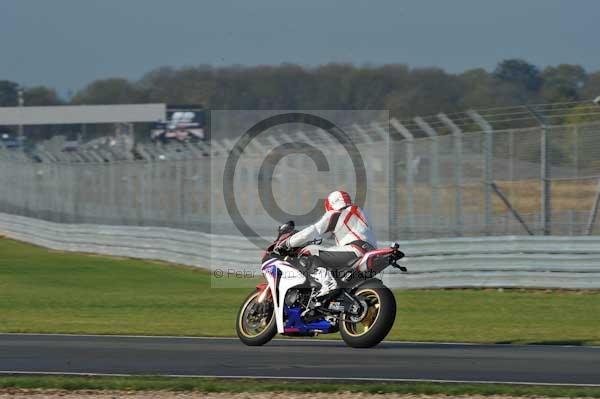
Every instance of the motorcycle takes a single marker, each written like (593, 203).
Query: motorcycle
(362, 308)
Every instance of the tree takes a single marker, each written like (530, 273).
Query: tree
(429, 91)
(591, 88)
(519, 72)
(109, 91)
(404, 91)
(190, 85)
(477, 89)
(41, 95)
(563, 83)
(332, 86)
(8, 93)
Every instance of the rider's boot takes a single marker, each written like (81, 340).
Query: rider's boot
(325, 278)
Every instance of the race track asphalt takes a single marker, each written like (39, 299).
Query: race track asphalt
(298, 359)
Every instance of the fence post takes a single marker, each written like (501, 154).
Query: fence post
(435, 172)
(362, 133)
(545, 173)
(488, 179)
(593, 212)
(457, 136)
(409, 174)
(392, 146)
(546, 184)
(576, 132)
(393, 155)
(379, 130)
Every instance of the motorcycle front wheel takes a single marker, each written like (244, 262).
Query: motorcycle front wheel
(376, 322)
(255, 323)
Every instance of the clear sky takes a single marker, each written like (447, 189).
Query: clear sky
(68, 43)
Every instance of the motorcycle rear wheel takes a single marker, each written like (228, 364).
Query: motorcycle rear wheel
(255, 330)
(377, 322)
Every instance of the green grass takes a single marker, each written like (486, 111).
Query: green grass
(54, 292)
(226, 385)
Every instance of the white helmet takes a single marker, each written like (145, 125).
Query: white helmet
(337, 200)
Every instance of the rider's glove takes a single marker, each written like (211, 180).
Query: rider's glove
(282, 247)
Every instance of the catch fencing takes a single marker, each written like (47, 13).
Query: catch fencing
(504, 197)
(507, 171)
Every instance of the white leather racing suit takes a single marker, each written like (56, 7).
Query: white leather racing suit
(351, 230)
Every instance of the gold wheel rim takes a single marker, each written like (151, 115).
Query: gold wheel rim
(242, 318)
(372, 313)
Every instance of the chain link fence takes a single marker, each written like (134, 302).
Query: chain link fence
(497, 183)
(506, 171)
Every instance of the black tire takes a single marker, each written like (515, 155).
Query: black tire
(381, 324)
(247, 337)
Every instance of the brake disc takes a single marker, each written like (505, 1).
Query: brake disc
(357, 315)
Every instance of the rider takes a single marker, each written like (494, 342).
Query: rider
(353, 236)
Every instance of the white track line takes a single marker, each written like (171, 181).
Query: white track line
(52, 373)
(118, 336)
(290, 339)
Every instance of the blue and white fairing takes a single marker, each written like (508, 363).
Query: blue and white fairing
(281, 274)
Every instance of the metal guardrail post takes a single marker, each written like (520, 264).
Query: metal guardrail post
(435, 172)
(457, 136)
(488, 179)
(409, 174)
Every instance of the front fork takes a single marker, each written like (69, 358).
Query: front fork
(263, 289)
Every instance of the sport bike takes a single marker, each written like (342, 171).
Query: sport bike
(362, 308)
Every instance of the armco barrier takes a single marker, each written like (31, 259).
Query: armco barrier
(507, 261)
